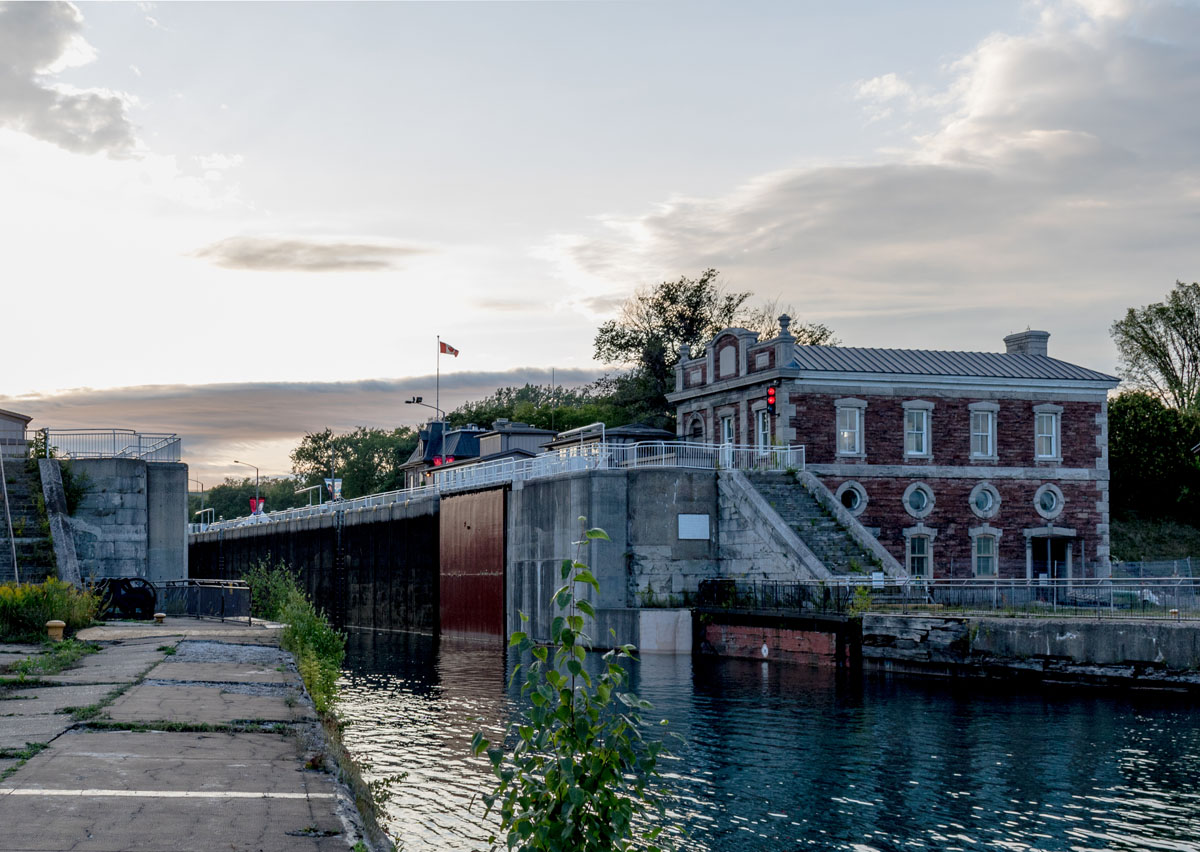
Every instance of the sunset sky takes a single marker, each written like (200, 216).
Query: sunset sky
(241, 222)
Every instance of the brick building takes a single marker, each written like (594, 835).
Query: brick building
(964, 464)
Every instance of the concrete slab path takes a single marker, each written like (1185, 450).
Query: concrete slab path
(105, 790)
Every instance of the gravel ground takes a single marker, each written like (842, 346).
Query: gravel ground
(190, 651)
(241, 687)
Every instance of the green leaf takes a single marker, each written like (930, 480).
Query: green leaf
(589, 578)
(586, 607)
(596, 533)
(517, 638)
(566, 568)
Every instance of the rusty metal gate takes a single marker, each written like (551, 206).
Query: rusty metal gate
(472, 563)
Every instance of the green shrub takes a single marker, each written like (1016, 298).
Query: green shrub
(319, 650)
(26, 607)
(270, 586)
(579, 775)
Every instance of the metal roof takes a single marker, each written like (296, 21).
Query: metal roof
(931, 362)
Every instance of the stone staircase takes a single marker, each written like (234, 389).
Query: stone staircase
(35, 553)
(813, 524)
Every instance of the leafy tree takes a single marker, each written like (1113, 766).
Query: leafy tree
(231, 499)
(765, 320)
(580, 776)
(1160, 347)
(655, 322)
(1154, 472)
(367, 460)
(544, 407)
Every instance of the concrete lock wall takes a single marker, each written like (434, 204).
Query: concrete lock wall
(1069, 650)
(131, 520)
(374, 568)
(647, 571)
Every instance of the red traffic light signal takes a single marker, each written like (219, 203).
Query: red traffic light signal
(771, 399)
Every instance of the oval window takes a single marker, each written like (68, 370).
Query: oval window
(1048, 501)
(984, 500)
(918, 500)
(851, 499)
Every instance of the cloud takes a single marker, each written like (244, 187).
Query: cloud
(1058, 181)
(265, 420)
(36, 41)
(297, 254)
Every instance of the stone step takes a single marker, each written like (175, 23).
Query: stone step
(815, 526)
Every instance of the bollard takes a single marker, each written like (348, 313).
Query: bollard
(159, 617)
(54, 629)
(1174, 613)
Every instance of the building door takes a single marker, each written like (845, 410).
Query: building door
(1050, 557)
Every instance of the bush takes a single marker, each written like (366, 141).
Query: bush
(319, 650)
(270, 586)
(26, 607)
(579, 775)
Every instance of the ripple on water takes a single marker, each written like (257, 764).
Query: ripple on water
(783, 758)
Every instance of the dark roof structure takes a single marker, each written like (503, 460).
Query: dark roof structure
(932, 362)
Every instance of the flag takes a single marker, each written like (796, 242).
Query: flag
(447, 349)
(256, 505)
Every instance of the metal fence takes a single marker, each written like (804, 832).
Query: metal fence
(108, 444)
(1175, 598)
(588, 456)
(223, 599)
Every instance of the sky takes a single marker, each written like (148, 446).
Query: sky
(241, 222)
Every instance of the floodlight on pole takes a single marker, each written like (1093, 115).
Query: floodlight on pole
(247, 464)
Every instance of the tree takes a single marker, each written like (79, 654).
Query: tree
(579, 776)
(765, 320)
(542, 406)
(231, 499)
(1154, 472)
(654, 323)
(1160, 347)
(367, 460)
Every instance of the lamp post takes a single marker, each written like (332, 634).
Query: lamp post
(417, 400)
(201, 484)
(247, 464)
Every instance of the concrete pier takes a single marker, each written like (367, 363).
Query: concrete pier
(185, 736)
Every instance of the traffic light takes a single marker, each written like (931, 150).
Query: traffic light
(771, 399)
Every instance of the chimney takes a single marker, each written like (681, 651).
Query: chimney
(1027, 342)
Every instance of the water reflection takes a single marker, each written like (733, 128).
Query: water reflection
(787, 758)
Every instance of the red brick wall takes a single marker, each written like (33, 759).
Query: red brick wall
(952, 518)
(752, 359)
(815, 423)
(691, 368)
(795, 646)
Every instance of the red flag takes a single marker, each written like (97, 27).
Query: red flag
(447, 349)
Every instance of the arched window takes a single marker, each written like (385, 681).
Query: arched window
(697, 433)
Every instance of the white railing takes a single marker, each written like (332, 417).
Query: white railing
(593, 456)
(108, 444)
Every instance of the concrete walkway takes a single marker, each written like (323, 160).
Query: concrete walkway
(192, 736)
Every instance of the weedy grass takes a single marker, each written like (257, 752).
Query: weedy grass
(26, 607)
(53, 658)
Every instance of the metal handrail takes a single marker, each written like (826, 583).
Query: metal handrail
(592, 456)
(110, 443)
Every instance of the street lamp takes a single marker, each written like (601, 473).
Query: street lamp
(201, 484)
(417, 400)
(247, 464)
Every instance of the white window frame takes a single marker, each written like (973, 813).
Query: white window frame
(911, 556)
(987, 411)
(854, 409)
(918, 419)
(727, 433)
(762, 430)
(993, 535)
(924, 532)
(1052, 415)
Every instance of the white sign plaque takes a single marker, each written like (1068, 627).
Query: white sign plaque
(693, 527)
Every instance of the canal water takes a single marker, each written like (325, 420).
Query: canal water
(782, 757)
